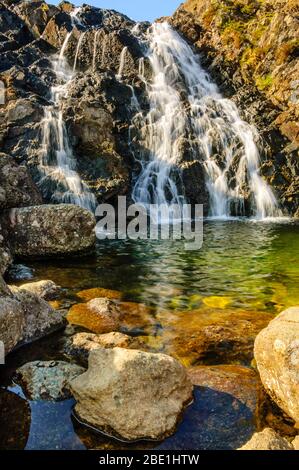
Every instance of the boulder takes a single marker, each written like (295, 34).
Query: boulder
(80, 345)
(12, 323)
(276, 352)
(268, 439)
(98, 315)
(4, 289)
(295, 443)
(47, 380)
(225, 412)
(51, 230)
(40, 318)
(131, 394)
(46, 290)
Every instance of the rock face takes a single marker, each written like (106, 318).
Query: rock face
(47, 380)
(267, 440)
(251, 50)
(51, 230)
(276, 353)
(131, 394)
(12, 322)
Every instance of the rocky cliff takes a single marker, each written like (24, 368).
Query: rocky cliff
(251, 49)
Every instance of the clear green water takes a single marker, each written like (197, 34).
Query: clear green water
(244, 268)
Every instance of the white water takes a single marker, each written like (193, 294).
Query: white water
(58, 163)
(95, 44)
(122, 63)
(211, 124)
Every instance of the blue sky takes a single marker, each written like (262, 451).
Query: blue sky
(138, 10)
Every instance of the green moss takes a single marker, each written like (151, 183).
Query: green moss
(264, 82)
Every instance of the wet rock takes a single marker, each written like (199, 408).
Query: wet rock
(40, 318)
(4, 289)
(225, 412)
(98, 315)
(96, 292)
(213, 336)
(276, 352)
(51, 230)
(46, 290)
(268, 439)
(16, 184)
(14, 432)
(47, 380)
(117, 379)
(80, 345)
(12, 323)
(258, 69)
(19, 272)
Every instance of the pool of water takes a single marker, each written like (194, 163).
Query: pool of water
(245, 273)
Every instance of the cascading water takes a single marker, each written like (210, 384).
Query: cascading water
(184, 103)
(58, 163)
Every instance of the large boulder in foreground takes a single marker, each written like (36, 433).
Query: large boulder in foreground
(51, 230)
(268, 439)
(276, 353)
(131, 394)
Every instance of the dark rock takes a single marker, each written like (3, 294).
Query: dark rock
(50, 230)
(14, 432)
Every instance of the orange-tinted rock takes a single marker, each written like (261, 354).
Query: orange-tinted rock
(135, 315)
(97, 292)
(98, 315)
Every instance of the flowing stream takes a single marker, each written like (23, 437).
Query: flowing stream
(58, 162)
(186, 104)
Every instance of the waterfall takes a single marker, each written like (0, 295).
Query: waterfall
(186, 104)
(95, 42)
(81, 37)
(122, 63)
(57, 162)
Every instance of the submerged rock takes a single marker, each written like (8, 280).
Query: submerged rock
(46, 290)
(47, 380)
(96, 292)
(225, 411)
(276, 352)
(268, 439)
(132, 394)
(80, 345)
(51, 230)
(98, 315)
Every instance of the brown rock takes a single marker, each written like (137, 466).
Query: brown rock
(98, 315)
(268, 439)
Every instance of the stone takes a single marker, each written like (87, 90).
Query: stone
(12, 323)
(268, 439)
(225, 412)
(96, 292)
(80, 345)
(16, 183)
(295, 443)
(118, 379)
(14, 432)
(40, 318)
(51, 230)
(46, 290)
(276, 352)
(98, 315)
(4, 289)
(5, 254)
(213, 335)
(47, 380)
